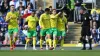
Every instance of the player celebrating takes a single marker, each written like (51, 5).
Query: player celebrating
(32, 20)
(61, 22)
(53, 21)
(44, 23)
(12, 19)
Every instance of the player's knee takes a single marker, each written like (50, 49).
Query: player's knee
(15, 35)
(28, 40)
(48, 36)
(34, 38)
(11, 38)
(54, 38)
(62, 38)
(41, 37)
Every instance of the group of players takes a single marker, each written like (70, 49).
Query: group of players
(52, 25)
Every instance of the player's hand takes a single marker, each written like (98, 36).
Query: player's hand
(59, 13)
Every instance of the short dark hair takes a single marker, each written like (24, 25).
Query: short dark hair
(29, 4)
(53, 9)
(20, 2)
(50, 6)
(11, 5)
(47, 9)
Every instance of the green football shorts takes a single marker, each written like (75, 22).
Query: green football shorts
(31, 34)
(44, 32)
(54, 31)
(12, 31)
(61, 33)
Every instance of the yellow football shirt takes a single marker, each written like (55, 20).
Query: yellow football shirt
(44, 21)
(32, 21)
(61, 23)
(13, 22)
(53, 20)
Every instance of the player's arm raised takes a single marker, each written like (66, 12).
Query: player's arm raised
(56, 16)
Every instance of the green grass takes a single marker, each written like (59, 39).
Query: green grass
(50, 53)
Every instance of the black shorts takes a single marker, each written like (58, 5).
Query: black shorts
(85, 31)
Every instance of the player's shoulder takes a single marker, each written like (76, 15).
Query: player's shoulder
(9, 12)
(29, 16)
(16, 12)
(43, 14)
(35, 16)
(51, 15)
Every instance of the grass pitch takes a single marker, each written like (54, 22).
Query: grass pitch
(50, 53)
